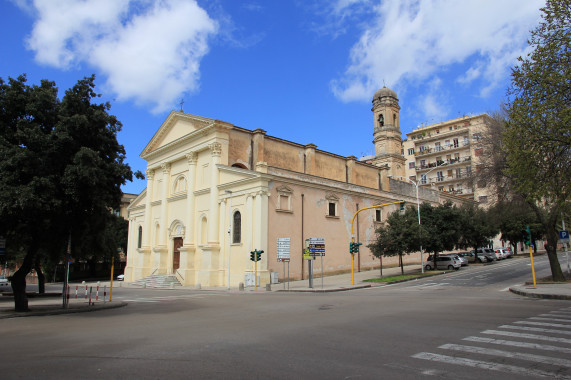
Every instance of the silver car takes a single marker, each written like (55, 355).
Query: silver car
(5, 285)
(443, 262)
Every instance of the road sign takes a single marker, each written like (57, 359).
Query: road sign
(316, 246)
(564, 236)
(283, 249)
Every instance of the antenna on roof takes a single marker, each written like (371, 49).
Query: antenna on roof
(181, 103)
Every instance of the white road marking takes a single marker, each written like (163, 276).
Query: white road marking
(487, 365)
(513, 343)
(538, 329)
(507, 354)
(550, 319)
(543, 324)
(527, 336)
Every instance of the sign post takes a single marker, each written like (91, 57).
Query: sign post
(316, 247)
(564, 237)
(284, 256)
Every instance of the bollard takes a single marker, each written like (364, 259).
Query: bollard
(104, 293)
(76, 287)
(268, 287)
(85, 290)
(241, 286)
(90, 291)
(97, 293)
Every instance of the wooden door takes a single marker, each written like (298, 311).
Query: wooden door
(176, 253)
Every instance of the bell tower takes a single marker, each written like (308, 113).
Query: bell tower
(387, 135)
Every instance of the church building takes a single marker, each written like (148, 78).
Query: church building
(216, 192)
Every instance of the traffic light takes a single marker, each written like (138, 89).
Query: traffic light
(402, 205)
(354, 247)
(259, 255)
(256, 255)
(253, 256)
(526, 235)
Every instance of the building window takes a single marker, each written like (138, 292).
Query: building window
(466, 140)
(411, 165)
(237, 228)
(422, 163)
(423, 179)
(458, 173)
(483, 199)
(179, 185)
(439, 176)
(455, 142)
(478, 152)
(477, 136)
(332, 209)
(437, 147)
(378, 216)
(284, 199)
(140, 237)
(412, 178)
(411, 151)
(468, 170)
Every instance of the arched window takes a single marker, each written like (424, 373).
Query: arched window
(237, 233)
(140, 238)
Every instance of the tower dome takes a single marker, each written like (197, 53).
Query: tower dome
(385, 92)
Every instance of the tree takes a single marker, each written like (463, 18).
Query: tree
(443, 226)
(61, 168)
(477, 228)
(399, 236)
(538, 132)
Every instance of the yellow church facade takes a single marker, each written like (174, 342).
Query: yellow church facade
(216, 192)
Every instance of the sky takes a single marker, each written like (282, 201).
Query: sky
(302, 70)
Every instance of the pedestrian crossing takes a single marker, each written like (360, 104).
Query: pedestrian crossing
(167, 298)
(536, 347)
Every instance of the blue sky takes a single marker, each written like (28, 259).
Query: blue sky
(303, 70)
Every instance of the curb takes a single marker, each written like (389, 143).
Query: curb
(539, 295)
(323, 290)
(60, 311)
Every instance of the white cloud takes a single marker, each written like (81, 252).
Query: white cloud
(409, 41)
(148, 50)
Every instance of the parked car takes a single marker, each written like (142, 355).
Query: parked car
(470, 256)
(499, 254)
(463, 261)
(121, 277)
(5, 284)
(505, 253)
(485, 254)
(442, 262)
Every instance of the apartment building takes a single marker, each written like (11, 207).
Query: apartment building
(445, 155)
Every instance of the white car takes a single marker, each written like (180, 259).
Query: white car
(500, 253)
(5, 284)
(121, 277)
(505, 252)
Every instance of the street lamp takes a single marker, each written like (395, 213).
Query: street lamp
(418, 212)
(229, 233)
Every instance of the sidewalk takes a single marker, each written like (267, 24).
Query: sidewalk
(51, 304)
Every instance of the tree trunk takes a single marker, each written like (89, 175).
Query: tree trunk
(19, 281)
(41, 277)
(556, 272)
(401, 265)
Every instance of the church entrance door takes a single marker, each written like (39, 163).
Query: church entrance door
(176, 253)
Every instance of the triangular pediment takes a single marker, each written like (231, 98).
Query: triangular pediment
(176, 126)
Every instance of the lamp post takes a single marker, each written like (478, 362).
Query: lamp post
(229, 233)
(416, 184)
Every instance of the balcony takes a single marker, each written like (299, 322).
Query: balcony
(446, 163)
(439, 149)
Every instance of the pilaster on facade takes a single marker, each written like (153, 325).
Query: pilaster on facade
(192, 158)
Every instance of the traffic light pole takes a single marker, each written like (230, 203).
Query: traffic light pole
(353, 235)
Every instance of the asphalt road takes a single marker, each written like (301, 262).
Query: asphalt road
(464, 325)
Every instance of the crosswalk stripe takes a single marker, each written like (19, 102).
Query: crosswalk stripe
(487, 365)
(513, 343)
(507, 354)
(556, 315)
(550, 319)
(527, 336)
(543, 324)
(537, 329)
